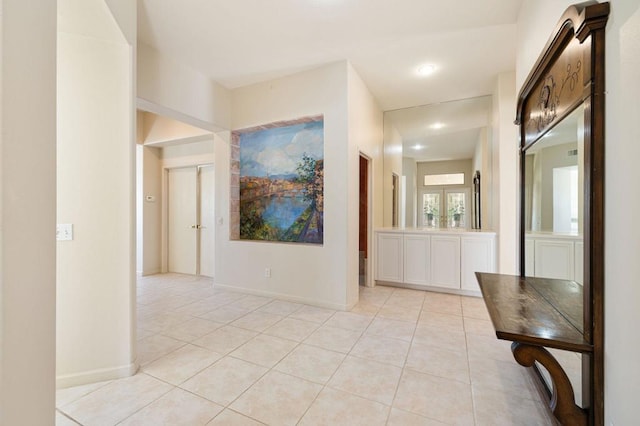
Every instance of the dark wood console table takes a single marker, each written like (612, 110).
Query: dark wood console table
(535, 314)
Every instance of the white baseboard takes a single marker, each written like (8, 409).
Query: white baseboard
(149, 272)
(95, 376)
(433, 289)
(288, 297)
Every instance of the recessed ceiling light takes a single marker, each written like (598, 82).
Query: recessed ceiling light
(437, 125)
(425, 70)
(418, 147)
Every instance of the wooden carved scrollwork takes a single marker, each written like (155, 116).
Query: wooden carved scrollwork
(562, 401)
(552, 95)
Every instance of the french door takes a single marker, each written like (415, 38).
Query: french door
(444, 208)
(190, 236)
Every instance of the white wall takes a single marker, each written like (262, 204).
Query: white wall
(365, 136)
(95, 192)
(172, 89)
(307, 273)
(505, 173)
(622, 233)
(27, 209)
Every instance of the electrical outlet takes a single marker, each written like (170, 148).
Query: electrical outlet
(64, 232)
(267, 272)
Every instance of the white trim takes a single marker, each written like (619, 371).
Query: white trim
(94, 376)
(433, 289)
(146, 105)
(288, 297)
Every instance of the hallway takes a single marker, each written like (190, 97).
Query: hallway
(400, 357)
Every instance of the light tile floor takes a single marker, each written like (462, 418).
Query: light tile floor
(400, 357)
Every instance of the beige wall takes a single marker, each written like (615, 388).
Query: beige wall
(95, 193)
(392, 165)
(171, 89)
(365, 136)
(27, 210)
(149, 240)
(156, 129)
(409, 171)
(505, 168)
(320, 275)
(444, 167)
(482, 162)
(622, 235)
(545, 161)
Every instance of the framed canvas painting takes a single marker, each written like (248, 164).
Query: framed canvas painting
(279, 191)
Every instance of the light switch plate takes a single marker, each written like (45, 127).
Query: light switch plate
(64, 232)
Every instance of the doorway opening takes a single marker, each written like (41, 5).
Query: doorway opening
(364, 222)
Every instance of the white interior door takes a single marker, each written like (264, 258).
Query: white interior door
(207, 221)
(182, 220)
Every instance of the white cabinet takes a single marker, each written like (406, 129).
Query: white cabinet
(435, 259)
(558, 256)
(477, 255)
(417, 259)
(390, 257)
(554, 259)
(445, 261)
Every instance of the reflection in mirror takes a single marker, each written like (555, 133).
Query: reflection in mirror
(553, 222)
(554, 200)
(429, 147)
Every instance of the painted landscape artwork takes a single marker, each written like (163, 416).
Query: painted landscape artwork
(282, 181)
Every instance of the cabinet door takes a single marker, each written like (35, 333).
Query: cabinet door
(416, 259)
(478, 255)
(554, 259)
(390, 264)
(445, 261)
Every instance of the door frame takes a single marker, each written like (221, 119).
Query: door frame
(164, 254)
(369, 281)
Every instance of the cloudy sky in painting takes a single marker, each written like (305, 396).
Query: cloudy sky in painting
(278, 151)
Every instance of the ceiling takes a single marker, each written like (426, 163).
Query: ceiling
(442, 131)
(241, 42)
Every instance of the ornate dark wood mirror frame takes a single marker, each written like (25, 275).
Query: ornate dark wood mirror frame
(536, 313)
(569, 73)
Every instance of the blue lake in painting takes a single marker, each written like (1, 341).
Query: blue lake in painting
(281, 212)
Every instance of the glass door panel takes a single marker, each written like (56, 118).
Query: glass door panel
(431, 209)
(444, 208)
(456, 208)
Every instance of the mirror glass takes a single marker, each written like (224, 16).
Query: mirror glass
(553, 223)
(431, 155)
(554, 201)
